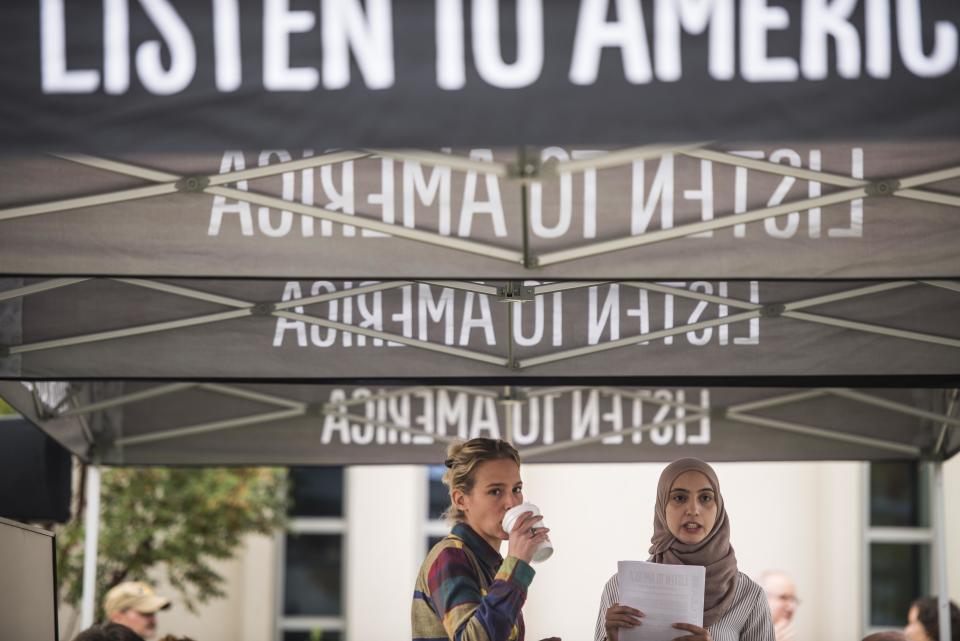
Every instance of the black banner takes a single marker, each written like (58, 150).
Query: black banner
(181, 74)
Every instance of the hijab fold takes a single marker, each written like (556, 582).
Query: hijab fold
(714, 552)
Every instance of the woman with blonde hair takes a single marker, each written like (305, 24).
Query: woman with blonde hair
(465, 590)
(691, 527)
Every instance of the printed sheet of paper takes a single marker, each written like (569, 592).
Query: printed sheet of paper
(666, 594)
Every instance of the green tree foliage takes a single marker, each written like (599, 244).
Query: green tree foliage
(172, 522)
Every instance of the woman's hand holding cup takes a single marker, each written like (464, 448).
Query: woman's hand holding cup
(525, 518)
(525, 536)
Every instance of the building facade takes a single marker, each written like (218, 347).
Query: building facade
(856, 538)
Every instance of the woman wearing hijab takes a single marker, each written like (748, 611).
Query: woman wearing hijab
(691, 527)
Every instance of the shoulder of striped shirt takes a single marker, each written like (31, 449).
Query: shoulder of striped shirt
(612, 582)
(747, 587)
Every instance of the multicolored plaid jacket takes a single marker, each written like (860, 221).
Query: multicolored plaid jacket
(467, 592)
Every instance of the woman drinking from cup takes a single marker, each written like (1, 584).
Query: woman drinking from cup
(691, 527)
(465, 590)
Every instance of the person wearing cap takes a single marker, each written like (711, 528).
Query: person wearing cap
(108, 632)
(135, 605)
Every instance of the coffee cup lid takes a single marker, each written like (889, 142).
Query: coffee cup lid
(513, 513)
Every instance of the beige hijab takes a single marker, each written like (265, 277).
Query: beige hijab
(714, 552)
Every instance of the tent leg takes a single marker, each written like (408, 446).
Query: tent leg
(91, 531)
(940, 552)
(508, 415)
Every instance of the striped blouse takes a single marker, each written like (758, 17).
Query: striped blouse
(748, 618)
(467, 592)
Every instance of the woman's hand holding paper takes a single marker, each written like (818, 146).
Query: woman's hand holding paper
(621, 616)
(696, 632)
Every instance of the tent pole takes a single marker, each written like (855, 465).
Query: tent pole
(940, 552)
(91, 529)
(508, 416)
(529, 169)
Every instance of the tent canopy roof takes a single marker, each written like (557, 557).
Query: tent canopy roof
(349, 243)
(732, 210)
(145, 423)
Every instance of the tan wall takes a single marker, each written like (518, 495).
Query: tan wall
(384, 507)
(951, 479)
(245, 614)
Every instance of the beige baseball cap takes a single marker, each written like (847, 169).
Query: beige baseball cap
(134, 595)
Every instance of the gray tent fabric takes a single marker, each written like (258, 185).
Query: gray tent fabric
(342, 330)
(724, 210)
(154, 423)
(196, 75)
(224, 204)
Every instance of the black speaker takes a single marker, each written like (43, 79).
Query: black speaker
(35, 473)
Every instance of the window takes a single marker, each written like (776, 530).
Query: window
(312, 636)
(897, 541)
(316, 491)
(312, 578)
(311, 553)
(899, 573)
(438, 498)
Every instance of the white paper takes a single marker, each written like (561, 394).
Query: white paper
(666, 594)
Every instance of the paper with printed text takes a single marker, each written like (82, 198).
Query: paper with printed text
(666, 594)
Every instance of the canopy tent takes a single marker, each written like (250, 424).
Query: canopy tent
(723, 210)
(202, 299)
(150, 423)
(615, 331)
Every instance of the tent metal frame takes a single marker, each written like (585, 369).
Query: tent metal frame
(940, 552)
(281, 408)
(287, 309)
(523, 171)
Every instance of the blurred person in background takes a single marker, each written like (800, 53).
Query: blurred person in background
(923, 623)
(108, 632)
(135, 605)
(886, 635)
(782, 598)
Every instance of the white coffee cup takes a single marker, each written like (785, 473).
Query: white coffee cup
(545, 550)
